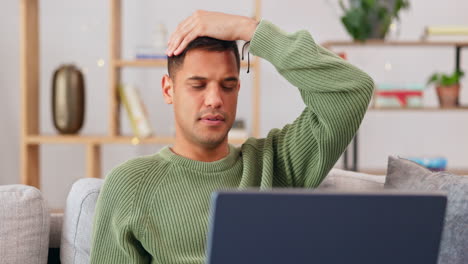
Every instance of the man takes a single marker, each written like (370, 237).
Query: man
(155, 208)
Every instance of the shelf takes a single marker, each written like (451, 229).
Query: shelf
(63, 139)
(418, 109)
(396, 43)
(155, 63)
(98, 140)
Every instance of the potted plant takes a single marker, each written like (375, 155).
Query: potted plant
(370, 19)
(448, 88)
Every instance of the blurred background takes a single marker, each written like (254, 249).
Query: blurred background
(77, 32)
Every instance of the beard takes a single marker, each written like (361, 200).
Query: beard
(210, 140)
(208, 137)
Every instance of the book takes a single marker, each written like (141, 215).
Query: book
(136, 111)
(445, 33)
(446, 30)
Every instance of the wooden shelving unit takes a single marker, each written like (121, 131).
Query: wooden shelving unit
(31, 139)
(416, 43)
(421, 43)
(382, 43)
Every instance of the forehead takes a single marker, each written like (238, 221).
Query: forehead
(209, 64)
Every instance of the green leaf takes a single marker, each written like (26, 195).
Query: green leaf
(361, 16)
(442, 79)
(354, 22)
(434, 78)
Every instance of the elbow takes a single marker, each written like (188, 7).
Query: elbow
(367, 86)
(368, 83)
(371, 87)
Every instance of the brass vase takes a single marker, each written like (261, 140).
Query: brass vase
(68, 99)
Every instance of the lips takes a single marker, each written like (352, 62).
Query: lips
(212, 118)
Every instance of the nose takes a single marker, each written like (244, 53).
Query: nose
(213, 97)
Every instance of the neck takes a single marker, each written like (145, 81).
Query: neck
(200, 152)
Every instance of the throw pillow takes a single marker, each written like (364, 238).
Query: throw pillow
(24, 225)
(407, 175)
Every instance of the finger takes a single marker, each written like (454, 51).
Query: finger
(179, 26)
(180, 36)
(170, 41)
(175, 43)
(178, 31)
(189, 38)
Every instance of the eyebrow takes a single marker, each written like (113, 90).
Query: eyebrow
(196, 78)
(199, 78)
(231, 79)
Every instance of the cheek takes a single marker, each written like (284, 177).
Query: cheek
(230, 107)
(186, 106)
(232, 101)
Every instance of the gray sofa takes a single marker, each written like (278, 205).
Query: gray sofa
(29, 233)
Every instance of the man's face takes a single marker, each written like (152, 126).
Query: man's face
(204, 95)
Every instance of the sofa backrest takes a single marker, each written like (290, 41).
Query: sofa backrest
(24, 225)
(78, 221)
(343, 180)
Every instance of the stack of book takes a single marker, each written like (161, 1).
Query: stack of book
(446, 32)
(398, 95)
(136, 111)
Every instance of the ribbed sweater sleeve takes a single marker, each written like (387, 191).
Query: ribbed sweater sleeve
(336, 95)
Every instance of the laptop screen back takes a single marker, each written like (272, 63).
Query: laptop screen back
(326, 228)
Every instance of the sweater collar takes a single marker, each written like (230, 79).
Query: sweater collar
(215, 166)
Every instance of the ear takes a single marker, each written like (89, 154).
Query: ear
(167, 89)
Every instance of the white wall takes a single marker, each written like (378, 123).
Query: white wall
(9, 97)
(77, 31)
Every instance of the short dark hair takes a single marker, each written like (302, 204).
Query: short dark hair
(203, 43)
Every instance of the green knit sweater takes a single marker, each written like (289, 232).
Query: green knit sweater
(155, 209)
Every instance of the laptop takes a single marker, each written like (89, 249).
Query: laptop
(306, 226)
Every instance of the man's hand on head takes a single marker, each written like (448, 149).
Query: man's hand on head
(210, 24)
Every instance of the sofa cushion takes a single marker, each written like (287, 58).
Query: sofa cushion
(78, 221)
(351, 181)
(24, 225)
(407, 175)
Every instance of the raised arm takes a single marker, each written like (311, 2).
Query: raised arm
(336, 95)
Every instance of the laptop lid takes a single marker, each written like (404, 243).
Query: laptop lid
(298, 227)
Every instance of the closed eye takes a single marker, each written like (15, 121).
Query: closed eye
(229, 87)
(196, 82)
(229, 84)
(197, 85)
